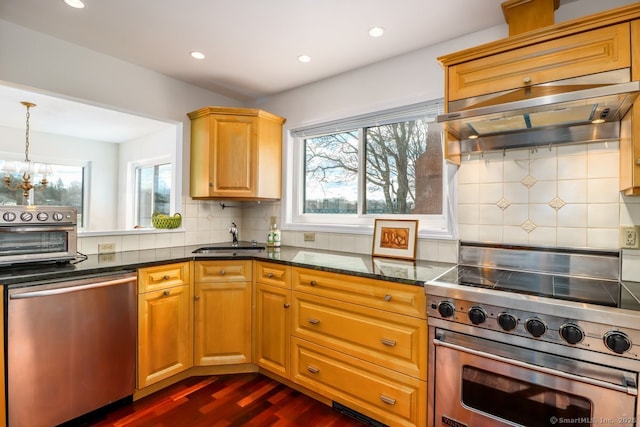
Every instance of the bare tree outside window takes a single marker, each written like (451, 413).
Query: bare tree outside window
(402, 174)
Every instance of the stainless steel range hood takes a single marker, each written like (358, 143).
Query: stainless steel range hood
(573, 115)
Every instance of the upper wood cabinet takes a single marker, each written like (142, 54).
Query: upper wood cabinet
(236, 153)
(591, 52)
(539, 62)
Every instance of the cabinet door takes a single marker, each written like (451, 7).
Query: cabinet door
(232, 161)
(164, 334)
(591, 52)
(222, 323)
(272, 328)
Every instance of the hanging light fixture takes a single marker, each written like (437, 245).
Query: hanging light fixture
(27, 168)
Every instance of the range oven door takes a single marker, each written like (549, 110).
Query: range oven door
(481, 383)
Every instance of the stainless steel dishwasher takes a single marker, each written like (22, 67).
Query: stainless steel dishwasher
(71, 347)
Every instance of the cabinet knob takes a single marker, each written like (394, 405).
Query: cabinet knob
(637, 161)
(270, 275)
(196, 297)
(211, 184)
(166, 293)
(527, 80)
(313, 321)
(388, 400)
(388, 342)
(287, 305)
(387, 297)
(222, 272)
(166, 277)
(313, 283)
(313, 369)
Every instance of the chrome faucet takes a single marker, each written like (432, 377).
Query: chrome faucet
(234, 234)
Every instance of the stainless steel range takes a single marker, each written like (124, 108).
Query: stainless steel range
(530, 336)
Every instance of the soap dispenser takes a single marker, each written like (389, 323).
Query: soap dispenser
(276, 236)
(270, 236)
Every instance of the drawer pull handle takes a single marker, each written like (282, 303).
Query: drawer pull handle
(388, 400)
(387, 297)
(313, 369)
(166, 293)
(166, 277)
(313, 321)
(222, 272)
(270, 275)
(287, 305)
(527, 80)
(313, 283)
(388, 342)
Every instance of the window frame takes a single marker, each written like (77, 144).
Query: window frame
(132, 202)
(293, 217)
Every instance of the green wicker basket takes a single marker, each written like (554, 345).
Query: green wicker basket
(164, 221)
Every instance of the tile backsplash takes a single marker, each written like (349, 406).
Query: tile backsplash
(554, 196)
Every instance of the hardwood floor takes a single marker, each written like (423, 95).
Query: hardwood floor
(225, 400)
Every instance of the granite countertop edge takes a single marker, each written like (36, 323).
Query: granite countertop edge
(394, 270)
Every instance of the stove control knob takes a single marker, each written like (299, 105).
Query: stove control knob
(507, 321)
(571, 333)
(477, 315)
(26, 216)
(446, 309)
(617, 342)
(9, 216)
(536, 327)
(42, 216)
(57, 216)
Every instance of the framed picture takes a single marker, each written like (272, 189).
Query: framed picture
(393, 238)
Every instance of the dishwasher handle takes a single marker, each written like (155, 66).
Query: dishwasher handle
(65, 289)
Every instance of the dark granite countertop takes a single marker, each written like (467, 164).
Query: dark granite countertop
(408, 272)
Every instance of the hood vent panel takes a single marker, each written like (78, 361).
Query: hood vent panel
(582, 115)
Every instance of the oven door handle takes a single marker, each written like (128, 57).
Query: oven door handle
(624, 389)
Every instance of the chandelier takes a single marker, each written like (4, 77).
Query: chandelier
(27, 168)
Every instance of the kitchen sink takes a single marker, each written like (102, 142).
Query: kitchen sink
(227, 249)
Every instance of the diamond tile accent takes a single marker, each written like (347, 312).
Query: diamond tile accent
(557, 203)
(528, 226)
(528, 181)
(503, 203)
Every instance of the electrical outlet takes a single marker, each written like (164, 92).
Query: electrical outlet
(310, 237)
(106, 248)
(630, 236)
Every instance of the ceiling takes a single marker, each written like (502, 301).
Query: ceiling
(251, 46)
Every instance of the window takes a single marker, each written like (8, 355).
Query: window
(379, 165)
(152, 192)
(65, 187)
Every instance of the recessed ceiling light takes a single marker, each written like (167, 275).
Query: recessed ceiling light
(376, 31)
(78, 4)
(304, 58)
(197, 55)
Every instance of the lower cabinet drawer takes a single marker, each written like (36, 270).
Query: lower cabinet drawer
(382, 394)
(389, 339)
